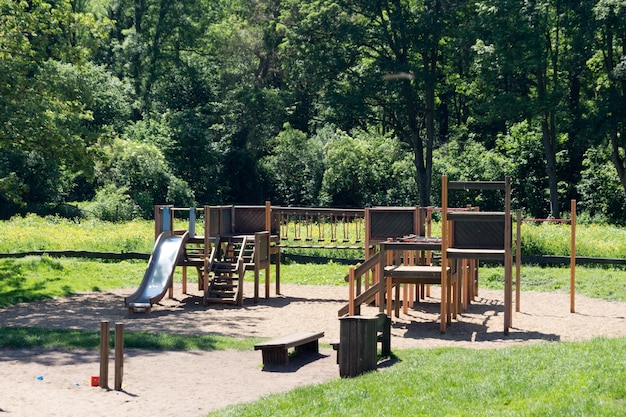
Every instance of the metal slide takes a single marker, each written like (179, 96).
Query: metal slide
(158, 277)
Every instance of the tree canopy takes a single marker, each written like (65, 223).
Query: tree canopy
(325, 102)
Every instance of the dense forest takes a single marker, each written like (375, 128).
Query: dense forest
(119, 104)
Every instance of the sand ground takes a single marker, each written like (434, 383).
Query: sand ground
(56, 383)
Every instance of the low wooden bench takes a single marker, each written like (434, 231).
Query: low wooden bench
(276, 351)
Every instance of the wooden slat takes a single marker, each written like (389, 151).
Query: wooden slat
(290, 340)
(480, 254)
(476, 185)
(482, 216)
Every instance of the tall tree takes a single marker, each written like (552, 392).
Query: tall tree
(383, 66)
(44, 109)
(523, 57)
(609, 64)
(148, 38)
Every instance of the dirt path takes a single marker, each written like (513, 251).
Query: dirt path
(193, 383)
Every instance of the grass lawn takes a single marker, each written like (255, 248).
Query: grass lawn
(555, 379)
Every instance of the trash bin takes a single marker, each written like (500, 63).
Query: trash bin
(357, 345)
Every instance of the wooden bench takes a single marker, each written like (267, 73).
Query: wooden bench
(276, 351)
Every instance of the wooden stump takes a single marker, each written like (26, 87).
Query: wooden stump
(357, 340)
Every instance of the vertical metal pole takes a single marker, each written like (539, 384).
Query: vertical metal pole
(192, 222)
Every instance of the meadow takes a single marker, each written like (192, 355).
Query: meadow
(563, 378)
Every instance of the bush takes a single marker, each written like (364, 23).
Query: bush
(602, 196)
(113, 204)
(138, 171)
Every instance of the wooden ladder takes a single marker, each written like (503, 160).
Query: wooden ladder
(228, 269)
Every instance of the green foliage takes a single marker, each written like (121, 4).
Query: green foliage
(592, 240)
(137, 170)
(113, 204)
(337, 169)
(485, 165)
(522, 149)
(44, 111)
(294, 168)
(600, 190)
(553, 379)
(492, 88)
(367, 169)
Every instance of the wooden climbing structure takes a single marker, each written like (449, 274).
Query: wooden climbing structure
(236, 239)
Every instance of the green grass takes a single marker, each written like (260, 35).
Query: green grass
(33, 233)
(37, 278)
(598, 241)
(21, 234)
(550, 379)
(24, 338)
(40, 277)
(605, 283)
(330, 273)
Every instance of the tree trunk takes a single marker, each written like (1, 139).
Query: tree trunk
(618, 161)
(548, 138)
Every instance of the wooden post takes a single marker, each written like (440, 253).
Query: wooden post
(508, 257)
(518, 259)
(268, 216)
(276, 250)
(381, 278)
(157, 221)
(104, 354)
(572, 264)
(367, 253)
(351, 291)
(357, 341)
(444, 245)
(119, 355)
(207, 250)
(388, 256)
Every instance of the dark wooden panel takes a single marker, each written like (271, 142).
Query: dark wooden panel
(391, 224)
(249, 220)
(478, 235)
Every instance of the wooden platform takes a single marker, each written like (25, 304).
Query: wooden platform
(276, 351)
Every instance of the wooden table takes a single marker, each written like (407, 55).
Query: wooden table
(390, 274)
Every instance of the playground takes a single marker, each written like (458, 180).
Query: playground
(193, 383)
(184, 383)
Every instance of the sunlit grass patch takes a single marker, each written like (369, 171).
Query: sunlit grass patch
(24, 338)
(548, 379)
(40, 277)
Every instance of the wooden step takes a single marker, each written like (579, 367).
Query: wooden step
(223, 290)
(220, 300)
(222, 294)
(224, 286)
